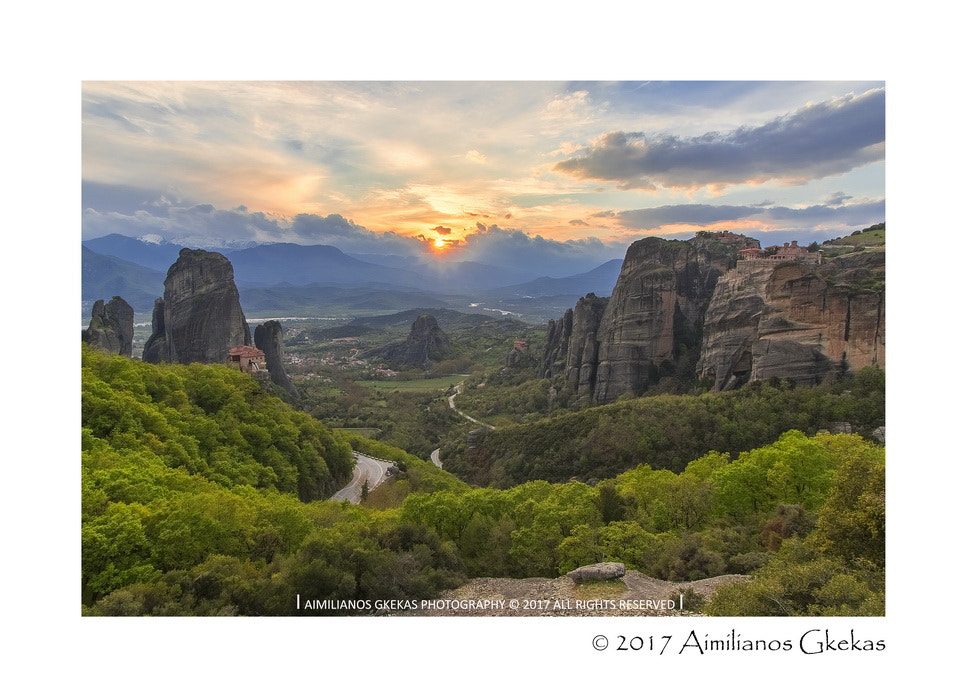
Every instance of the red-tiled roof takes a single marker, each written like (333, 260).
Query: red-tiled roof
(246, 352)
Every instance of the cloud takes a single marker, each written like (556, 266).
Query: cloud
(692, 214)
(442, 230)
(818, 140)
(837, 198)
(704, 214)
(516, 249)
(577, 221)
(204, 225)
(475, 156)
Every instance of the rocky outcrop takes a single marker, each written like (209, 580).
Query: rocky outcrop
(582, 354)
(651, 323)
(200, 316)
(426, 344)
(156, 345)
(795, 321)
(268, 338)
(692, 309)
(112, 326)
(600, 571)
(558, 342)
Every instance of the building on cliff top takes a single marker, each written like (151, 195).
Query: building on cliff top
(789, 252)
(247, 359)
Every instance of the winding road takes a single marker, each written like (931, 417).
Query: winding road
(368, 469)
(374, 470)
(452, 404)
(434, 456)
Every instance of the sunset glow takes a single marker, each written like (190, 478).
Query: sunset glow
(481, 170)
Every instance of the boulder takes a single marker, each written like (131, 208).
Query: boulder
(600, 571)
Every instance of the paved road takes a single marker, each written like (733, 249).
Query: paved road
(452, 404)
(367, 468)
(434, 456)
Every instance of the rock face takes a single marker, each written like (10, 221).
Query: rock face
(112, 326)
(602, 570)
(426, 344)
(200, 316)
(654, 319)
(692, 309)
(796, 321)
(156, 346)
(268, 338)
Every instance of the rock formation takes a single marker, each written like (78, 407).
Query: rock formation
(558, 341)
(654, 319)
(693, 309)
(519, 354)
(426, 344)
(268, 338)
(112, 326)
(156, 345)
(200, 316)
(794, 320)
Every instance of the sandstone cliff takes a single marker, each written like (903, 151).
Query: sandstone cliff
(268, 338)
(690, 309)
(156, 347)
(425, 344)
(112, 326)
(795, 321)
(651, 323)
(200, 316)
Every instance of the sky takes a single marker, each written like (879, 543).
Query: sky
(488, 171)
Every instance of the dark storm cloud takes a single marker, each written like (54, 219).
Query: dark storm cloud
(703, 214)
(818, 140)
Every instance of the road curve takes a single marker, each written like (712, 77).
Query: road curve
(368, 469)
(434, 456)
(452, 404)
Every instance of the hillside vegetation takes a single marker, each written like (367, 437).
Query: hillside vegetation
(195, 502)
(197, 491)
(665, 431)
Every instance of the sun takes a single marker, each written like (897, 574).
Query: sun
(439, 243)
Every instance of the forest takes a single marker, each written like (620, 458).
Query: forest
(202, 494)
(664, 431)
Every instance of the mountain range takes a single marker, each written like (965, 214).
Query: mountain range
(280, 277)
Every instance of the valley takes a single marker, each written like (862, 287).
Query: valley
(703, 419)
